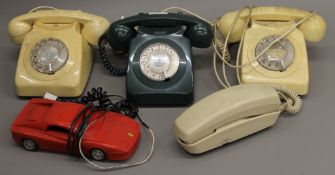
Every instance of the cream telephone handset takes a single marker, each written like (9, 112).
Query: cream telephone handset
(273, 47)
(231, 114)
(55, 55)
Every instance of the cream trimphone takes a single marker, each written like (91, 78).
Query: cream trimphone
(230, 114)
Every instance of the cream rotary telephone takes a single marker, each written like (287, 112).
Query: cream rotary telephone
(273, 47)
(55, 55)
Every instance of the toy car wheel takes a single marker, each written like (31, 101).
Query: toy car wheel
(98, 154)
(29, 144)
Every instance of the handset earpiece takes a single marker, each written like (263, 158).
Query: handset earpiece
(224, 25)
(19, 26)
(314, 29)
(119, 36)
(18, 29)
(93, 26)
(92, 30)
(200, 35)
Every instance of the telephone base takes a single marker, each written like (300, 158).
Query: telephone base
(176, 90)
(61, 90)
(71, 79)
(161, 99)
(294, 77)
(147, 94)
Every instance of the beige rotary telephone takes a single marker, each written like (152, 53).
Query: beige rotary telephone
(55, 55)
(273, 46)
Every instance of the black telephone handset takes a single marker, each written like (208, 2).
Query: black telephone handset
(159, 45)
(121, 32)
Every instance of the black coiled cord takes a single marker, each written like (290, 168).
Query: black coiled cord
(106, 61)
(104, 104)
(95, 95)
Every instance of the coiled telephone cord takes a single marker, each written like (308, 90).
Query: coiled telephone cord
(293, 102)
(116, 71)
(224, 51)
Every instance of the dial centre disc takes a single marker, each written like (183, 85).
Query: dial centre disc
(49, 55)
(278, 57)
(159, 61)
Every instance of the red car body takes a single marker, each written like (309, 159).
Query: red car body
(48, 122)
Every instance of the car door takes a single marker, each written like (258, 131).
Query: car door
(57, 138)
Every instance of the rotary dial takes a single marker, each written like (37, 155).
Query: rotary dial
(49, 55)
(278, 57)
(159, 61)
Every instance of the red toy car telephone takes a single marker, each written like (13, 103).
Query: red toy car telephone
(77, 128)
(45, 124)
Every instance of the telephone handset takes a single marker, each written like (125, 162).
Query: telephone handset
(285, 61)
(159, 45)
(230, 114)
(197, 31)
(314, 29)
(55, 55)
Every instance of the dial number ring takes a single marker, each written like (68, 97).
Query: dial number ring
(159, 61)
(278, 57)
(49, 55)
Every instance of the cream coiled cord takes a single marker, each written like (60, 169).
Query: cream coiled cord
(220, 45)
(293, 102)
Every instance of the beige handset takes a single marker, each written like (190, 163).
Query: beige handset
(55, 55)
(274, 48)
(230, 114)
